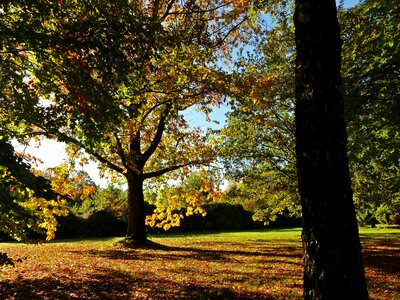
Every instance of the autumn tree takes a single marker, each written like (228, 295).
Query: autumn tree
(114, 82)
(111, 199)
(253, 150)
(370, 73)
(258, 147)
(333, 264)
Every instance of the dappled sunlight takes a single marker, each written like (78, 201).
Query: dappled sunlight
(195, 267)
(246, 265)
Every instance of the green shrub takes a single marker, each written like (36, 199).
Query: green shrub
(103, 224)
(71, 226)
(97, 223)
(220, 216)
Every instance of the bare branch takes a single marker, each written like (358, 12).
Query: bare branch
(160, 130)
(173, 168)
(64, 137)
(120, 150)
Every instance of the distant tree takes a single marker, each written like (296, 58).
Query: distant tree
(111, 199)
(371, 80)
(254, 151)
(257, 142)
(333, 265)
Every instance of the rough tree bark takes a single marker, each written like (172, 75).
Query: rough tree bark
(333, 266)
(136, 231)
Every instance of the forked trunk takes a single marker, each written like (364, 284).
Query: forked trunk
(136, 232)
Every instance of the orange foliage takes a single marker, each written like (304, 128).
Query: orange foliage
(73, 187)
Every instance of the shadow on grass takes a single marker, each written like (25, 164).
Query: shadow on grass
(106, 284)
(173, 253)
(111, 284)
(382, 255)
(184, 277)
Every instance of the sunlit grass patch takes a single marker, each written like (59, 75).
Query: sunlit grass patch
(263, 264)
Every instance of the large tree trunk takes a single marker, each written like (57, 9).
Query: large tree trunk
(136, 232)
(333, 267)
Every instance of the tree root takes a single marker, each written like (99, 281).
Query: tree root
(135, 243)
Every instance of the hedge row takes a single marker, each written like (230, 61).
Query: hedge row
(99, 224)
(220, 216)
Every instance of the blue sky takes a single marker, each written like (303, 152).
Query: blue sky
(349, 3)
(219, 114)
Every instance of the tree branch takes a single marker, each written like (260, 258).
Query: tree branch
(120, 150)
(172, 168)
(65, 138)
(167, 10)
(159, 133)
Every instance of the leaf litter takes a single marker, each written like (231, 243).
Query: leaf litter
(185, 267)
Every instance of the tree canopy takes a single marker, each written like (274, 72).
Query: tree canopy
(251, 148)
(258, 139)
(113, 80)
(371, 85)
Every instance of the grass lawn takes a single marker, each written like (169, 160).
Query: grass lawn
(265, 264)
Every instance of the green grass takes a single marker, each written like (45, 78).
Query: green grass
(260, 264)
(263, 234)
(380, 232)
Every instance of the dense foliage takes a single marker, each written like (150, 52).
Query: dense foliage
(28, 203)
(113, 80)
(258, 139)
(371, 78)
(259, 155)
(116, 83)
